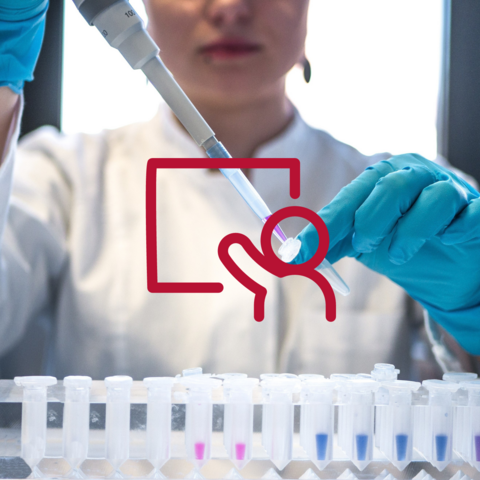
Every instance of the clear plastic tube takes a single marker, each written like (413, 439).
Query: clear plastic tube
(359, 426)
(238, 418)
(198, 421)
(438, 440)
(382, 372)
(318, 412)
(344, 408)
(76, 418)
(460, 414)
(117, 424)
(34, 419)
(467, 425)
(277, 438)
(304, 417)
(159, 421)
(243, 186)
(395, 428)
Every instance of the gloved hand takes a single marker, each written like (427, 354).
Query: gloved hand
(22, 25)
(419, 224)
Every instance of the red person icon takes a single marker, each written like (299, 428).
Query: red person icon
(272, 264)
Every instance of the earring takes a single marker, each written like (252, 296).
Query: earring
(307, 70)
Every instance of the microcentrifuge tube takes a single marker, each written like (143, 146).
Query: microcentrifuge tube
(34, 419)
(277, 439)
(159, 421)
(461, 444)
(238, 418)
(359, 428)
(471, 424)
(317, 429)
(396, 426)
(381, 373)
(303, 412)
(438, 441)
(198, 421)
(117, 424)
(344, 406)
(76, 419)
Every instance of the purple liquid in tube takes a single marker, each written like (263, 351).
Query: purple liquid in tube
(477, 448)
(199, 450)
(277, 229)
(240, 451)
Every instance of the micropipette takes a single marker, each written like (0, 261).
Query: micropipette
(76, 418)
(238, 417)
(34, 419)
(124, 30)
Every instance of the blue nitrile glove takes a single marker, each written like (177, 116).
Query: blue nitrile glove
(22, 25)
(419, 224)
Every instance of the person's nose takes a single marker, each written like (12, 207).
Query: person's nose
(229, 12)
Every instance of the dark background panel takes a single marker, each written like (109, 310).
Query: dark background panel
(461, 144)
(43, 95)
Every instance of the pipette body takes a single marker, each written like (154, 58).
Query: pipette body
(124, 30)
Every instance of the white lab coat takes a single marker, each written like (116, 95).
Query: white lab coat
(73, 255)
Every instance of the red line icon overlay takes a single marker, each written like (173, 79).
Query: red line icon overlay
(153, 285)
(272, 264)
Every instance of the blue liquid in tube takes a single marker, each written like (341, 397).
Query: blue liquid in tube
(362, 444)
(322, 443)
(402, 442)
(441, 447)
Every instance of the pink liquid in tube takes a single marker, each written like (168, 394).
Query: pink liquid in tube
(240, 451)
(199, 450)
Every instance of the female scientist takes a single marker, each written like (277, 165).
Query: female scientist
(72, 218)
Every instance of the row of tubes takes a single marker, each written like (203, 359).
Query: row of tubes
(443, 428)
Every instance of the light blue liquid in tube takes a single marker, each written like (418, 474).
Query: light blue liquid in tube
(243, 186)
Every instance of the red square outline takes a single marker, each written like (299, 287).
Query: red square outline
(153, 285)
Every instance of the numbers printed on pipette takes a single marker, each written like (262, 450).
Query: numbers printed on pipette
(130, 13)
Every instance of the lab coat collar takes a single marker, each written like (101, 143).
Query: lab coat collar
(285, 145)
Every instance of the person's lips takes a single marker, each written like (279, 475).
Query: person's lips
(230, 48)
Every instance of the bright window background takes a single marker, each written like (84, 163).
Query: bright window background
(375, 63)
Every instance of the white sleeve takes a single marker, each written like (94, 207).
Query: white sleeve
(34, 197)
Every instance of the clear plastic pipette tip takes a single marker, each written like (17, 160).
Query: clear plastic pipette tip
(289, 250)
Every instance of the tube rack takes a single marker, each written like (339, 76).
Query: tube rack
(99, 428)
